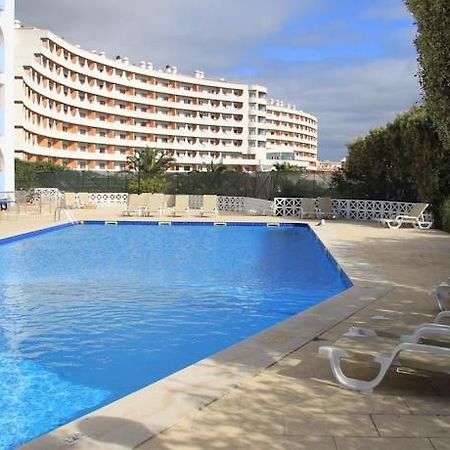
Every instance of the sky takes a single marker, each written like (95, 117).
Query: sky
(351, 63)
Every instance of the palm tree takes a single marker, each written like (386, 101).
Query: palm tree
(219, 167)
(149, 161)
(286, 167)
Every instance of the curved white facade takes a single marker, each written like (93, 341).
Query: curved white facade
(7, 35)
(89, 112)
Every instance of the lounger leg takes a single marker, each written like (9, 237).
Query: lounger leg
(394, 223)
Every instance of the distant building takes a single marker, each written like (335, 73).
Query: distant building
(330, 166)
(89, 112)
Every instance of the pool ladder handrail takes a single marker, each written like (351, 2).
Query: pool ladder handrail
(57, 217)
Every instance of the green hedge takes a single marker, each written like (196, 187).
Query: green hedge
(446, 215)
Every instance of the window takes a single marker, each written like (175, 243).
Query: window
(102, 166)
(101, 150)
(65, 129)
(102, 118)
(82, 148)
(82, 114)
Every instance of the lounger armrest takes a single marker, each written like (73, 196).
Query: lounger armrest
(336, 354)
(432, 331)
(442, 315)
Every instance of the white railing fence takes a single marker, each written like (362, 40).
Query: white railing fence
(350, 209)
(246, 205)
(281, 206)
(109, 199)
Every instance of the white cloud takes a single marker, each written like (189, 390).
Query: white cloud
(348, 100)
(388, 10)
(192, 34)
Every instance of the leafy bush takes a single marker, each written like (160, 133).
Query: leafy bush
(445, 214)
(153, 185)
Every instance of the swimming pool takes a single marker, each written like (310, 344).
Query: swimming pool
(91, 313)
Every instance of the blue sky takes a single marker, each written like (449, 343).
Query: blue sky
(351, 63)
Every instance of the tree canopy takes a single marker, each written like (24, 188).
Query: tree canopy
(399, 161)
(433, 48)
(149, 161)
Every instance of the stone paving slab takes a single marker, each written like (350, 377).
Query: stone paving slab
(441, 443)
(383, 444)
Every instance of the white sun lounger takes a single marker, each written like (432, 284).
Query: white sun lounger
(336, 354)
(413, 218)
(432, 331)
(181, 205)
(83, 199)
(136, 205)
(155, 205)
(326, 208)
(209, 207)
(70, 200)
(308, 208)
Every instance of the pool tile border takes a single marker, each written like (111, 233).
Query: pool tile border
(20, 237)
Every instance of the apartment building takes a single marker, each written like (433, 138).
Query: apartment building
(89, 112)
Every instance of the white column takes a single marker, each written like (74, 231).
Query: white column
(7, 95)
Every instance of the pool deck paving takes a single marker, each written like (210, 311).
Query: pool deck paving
(274, 391)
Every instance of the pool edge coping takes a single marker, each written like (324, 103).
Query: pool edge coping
(162, 404)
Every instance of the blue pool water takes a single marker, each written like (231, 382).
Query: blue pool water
(91, 313)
